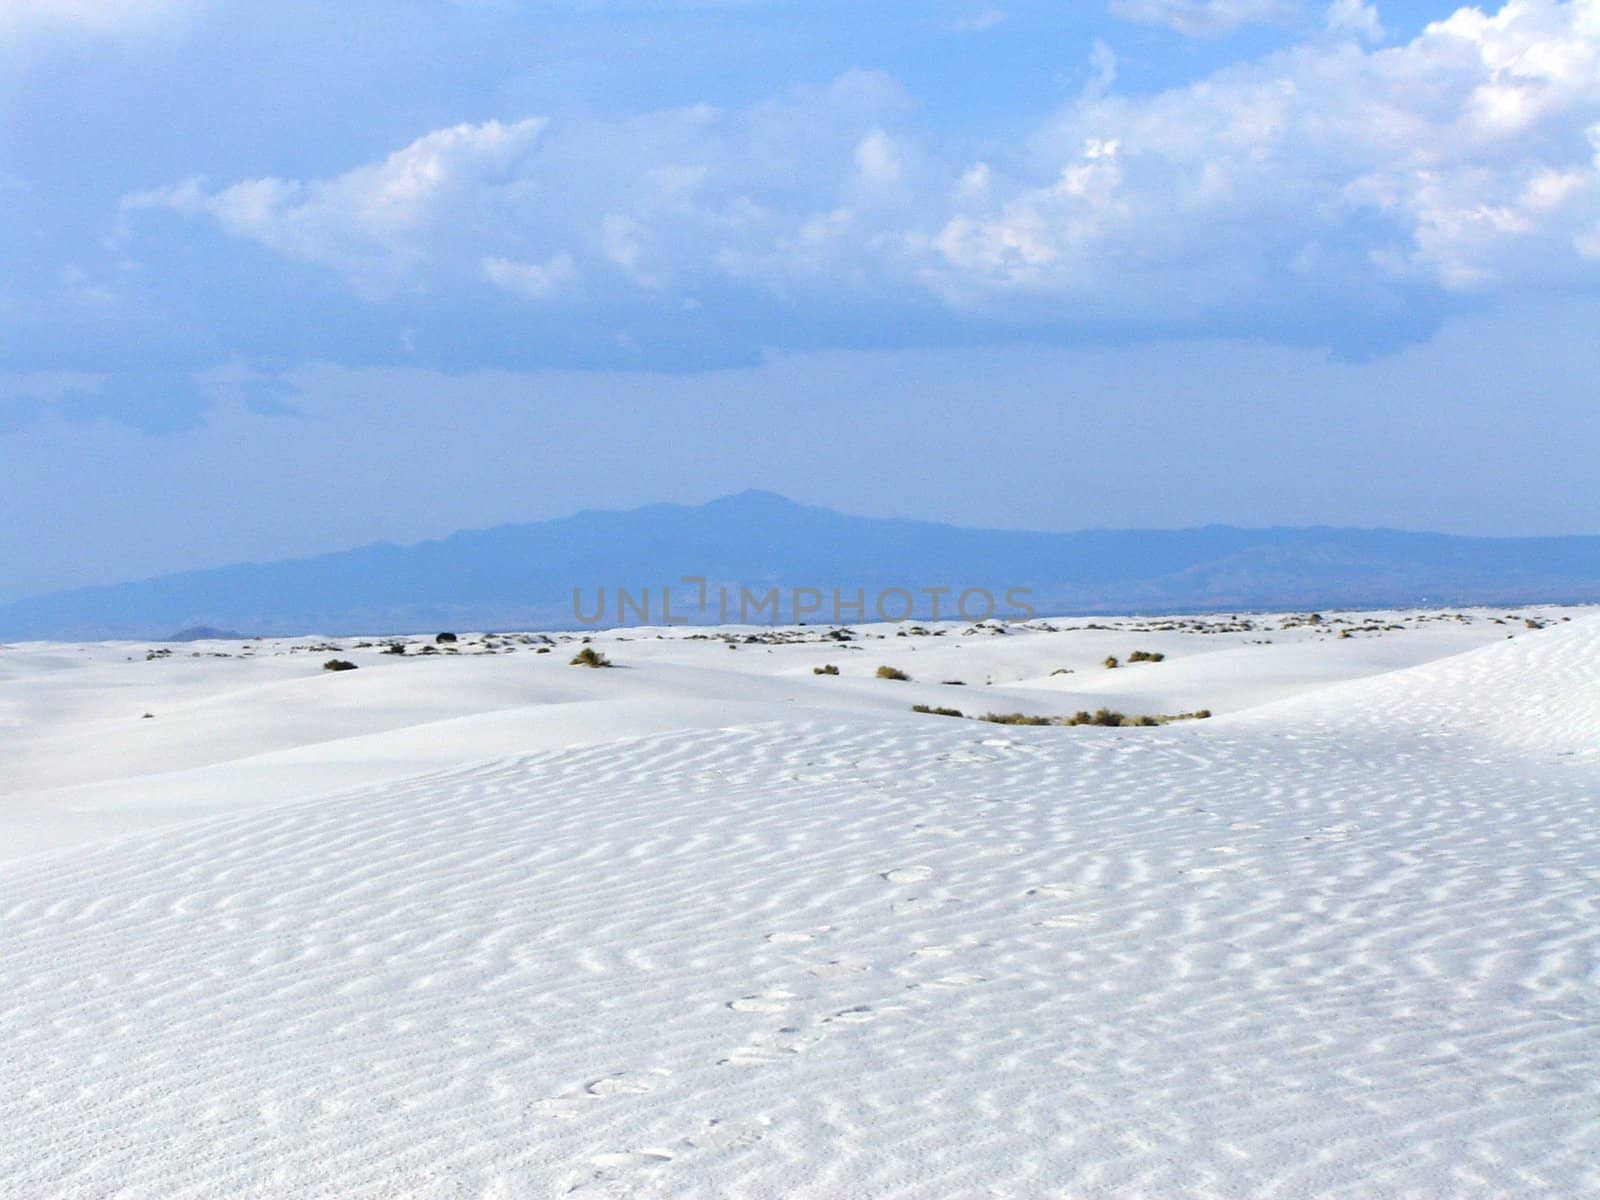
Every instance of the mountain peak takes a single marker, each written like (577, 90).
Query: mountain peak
(751, 499)
(527, 576)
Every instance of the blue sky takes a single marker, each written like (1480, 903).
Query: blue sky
(284, 278)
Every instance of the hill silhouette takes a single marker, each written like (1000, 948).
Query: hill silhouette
(526, 575)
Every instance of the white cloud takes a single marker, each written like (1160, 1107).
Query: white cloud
(44, 385)
(536, 281)
(376, 224)
(1102, 70)
(1355, 18)
(652, 200)
(979, 21)
(1467, 159)
(88, 16)
(878, 161)
(1204, 18)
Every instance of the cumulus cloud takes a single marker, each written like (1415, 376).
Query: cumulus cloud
(651, 202)
(376, 224)
(1353, 17)
(1203, 18)
(1466, 160)
(536, 281)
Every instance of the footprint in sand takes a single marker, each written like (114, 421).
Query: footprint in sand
(951, 982)
(624, 1083)
(859, 1014)
(613, 1159)
(1065, 921)
(763, 1002)
(919, 904)
(722, 1133)
(570, 1105)
(771, 1048)
(794, 938)
(560, 1108)
(1009, 850)
(909, 875)
(1055, 891)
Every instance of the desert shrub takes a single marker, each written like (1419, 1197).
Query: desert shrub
(338, 664)
(935, 711)
(395, 648)
(825, 669)
(542, 650)
(1016, 718)
(590, 657)
(445, 637)
(1111, 662)
(1061, 671)
(1145, 656)
(1106, 717)
(893, 673)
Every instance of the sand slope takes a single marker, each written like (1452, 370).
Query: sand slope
(235, 727)
(1342, 945)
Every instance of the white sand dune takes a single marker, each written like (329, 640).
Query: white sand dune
(713, 926)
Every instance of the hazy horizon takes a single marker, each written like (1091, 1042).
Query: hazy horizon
(768, 493)
(757, 557)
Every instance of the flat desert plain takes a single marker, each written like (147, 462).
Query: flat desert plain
(472, 921)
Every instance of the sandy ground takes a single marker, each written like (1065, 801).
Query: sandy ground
(487, 924)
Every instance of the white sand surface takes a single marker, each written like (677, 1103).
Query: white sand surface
(709, 924)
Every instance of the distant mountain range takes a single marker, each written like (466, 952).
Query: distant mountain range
(744, 546)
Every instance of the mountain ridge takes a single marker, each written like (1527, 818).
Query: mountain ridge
(524, 574)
